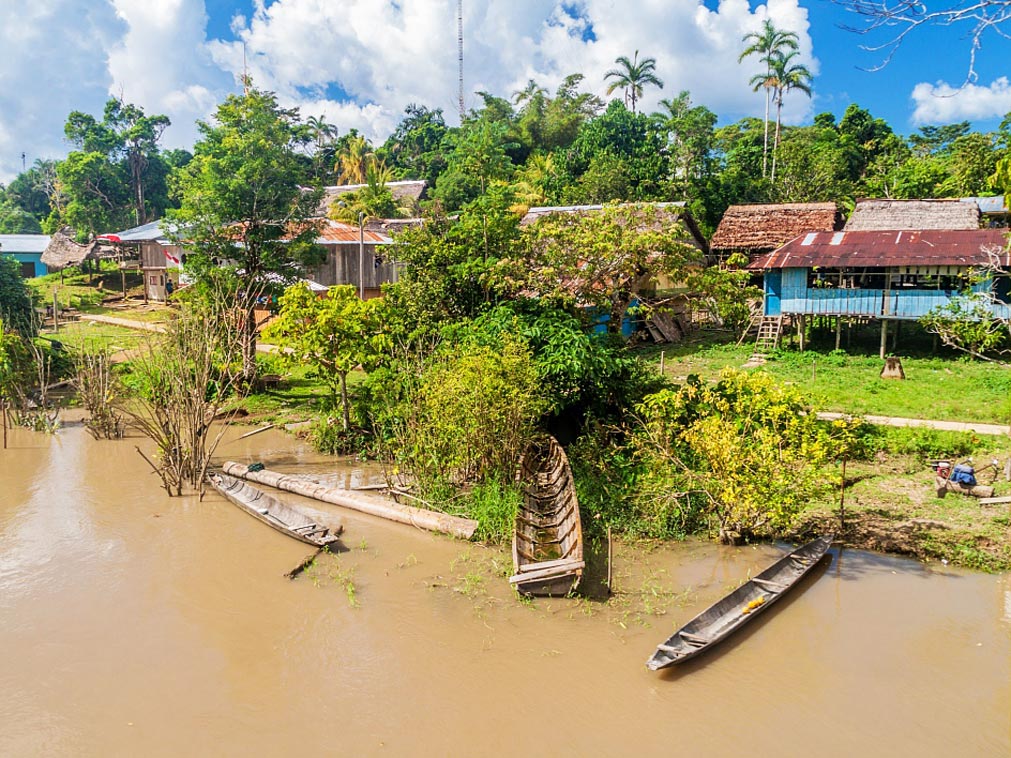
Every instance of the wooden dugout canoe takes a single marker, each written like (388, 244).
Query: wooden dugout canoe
(740, 606)
(274, 512)
(548, 540)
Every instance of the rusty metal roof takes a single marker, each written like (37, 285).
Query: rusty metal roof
(929, 247)
(339, 233)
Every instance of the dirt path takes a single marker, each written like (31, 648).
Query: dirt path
(951, 426)
(152, 326)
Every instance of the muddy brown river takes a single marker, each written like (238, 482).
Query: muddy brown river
(134, 624)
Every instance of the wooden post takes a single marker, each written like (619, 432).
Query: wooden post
(122, 281)
(884, 339)
(838, 331)
(661, 363)
(56, 313)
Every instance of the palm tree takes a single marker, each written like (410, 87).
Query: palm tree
(632, 76)
(767, 44)
(353, 160)
(788, 76)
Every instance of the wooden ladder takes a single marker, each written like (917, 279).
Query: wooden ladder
(769, 332)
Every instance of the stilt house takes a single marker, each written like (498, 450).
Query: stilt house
(882, 275)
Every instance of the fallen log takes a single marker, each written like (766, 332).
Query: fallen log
(944, 486)
(374, 506)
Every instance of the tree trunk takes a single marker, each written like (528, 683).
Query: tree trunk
(346, 413)
(765, 138)
(775, 143)
(249, 346)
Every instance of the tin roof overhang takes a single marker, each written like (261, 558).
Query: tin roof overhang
(970, 247)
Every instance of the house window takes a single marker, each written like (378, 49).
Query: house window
(27, 269)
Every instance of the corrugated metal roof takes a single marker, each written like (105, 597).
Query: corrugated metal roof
(885, 249)
(24, 243)
(339, 233)
(987, 204)
(153, 231)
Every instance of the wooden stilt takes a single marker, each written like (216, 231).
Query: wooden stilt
(838, 331)
(884, 339)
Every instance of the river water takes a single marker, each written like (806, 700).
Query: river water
(135, 624)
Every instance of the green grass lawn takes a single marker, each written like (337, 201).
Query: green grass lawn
(944, 387)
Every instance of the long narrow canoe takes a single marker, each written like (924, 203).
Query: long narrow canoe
(274, 512)
(740, 606)
(548, 540)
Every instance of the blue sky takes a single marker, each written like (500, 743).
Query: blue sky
(360, 62)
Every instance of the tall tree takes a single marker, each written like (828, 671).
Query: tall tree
(632, 76)
(244, 209)
(766, 44)
(127, 141)
(788, 76)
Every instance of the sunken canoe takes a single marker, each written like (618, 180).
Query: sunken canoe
(740, 606)
(274, 512)
(548, 540)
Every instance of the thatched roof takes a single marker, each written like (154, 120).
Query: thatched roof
(756, 229)
(62, 251)
(911, 215)
(408, 189)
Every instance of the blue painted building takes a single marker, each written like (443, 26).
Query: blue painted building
(880, 274)
(883, 275)
(27, 250)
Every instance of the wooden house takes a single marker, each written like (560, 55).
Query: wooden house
(753, 230)
(887, 275)
(27, 250)
(160, 261)
(357, 256)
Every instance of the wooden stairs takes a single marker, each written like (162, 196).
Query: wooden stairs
(769, 331)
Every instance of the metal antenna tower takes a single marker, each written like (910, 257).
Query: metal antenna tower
(459, 47)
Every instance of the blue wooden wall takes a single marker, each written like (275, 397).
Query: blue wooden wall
(794, 296)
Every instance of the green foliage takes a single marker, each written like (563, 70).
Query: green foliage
(414, 151)
(967, 322)
(743, 453)
(620, 155)
(493, 504)
(16, 306)
(116, 177)
(632, 76)
(602, 259)
(576, 370)
(243, 208)
(466, 418)
(333, 334)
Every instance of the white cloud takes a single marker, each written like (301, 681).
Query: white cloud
(52, 63)
(360, 62)
(385, 55)
(943, 104)
(162, 64)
